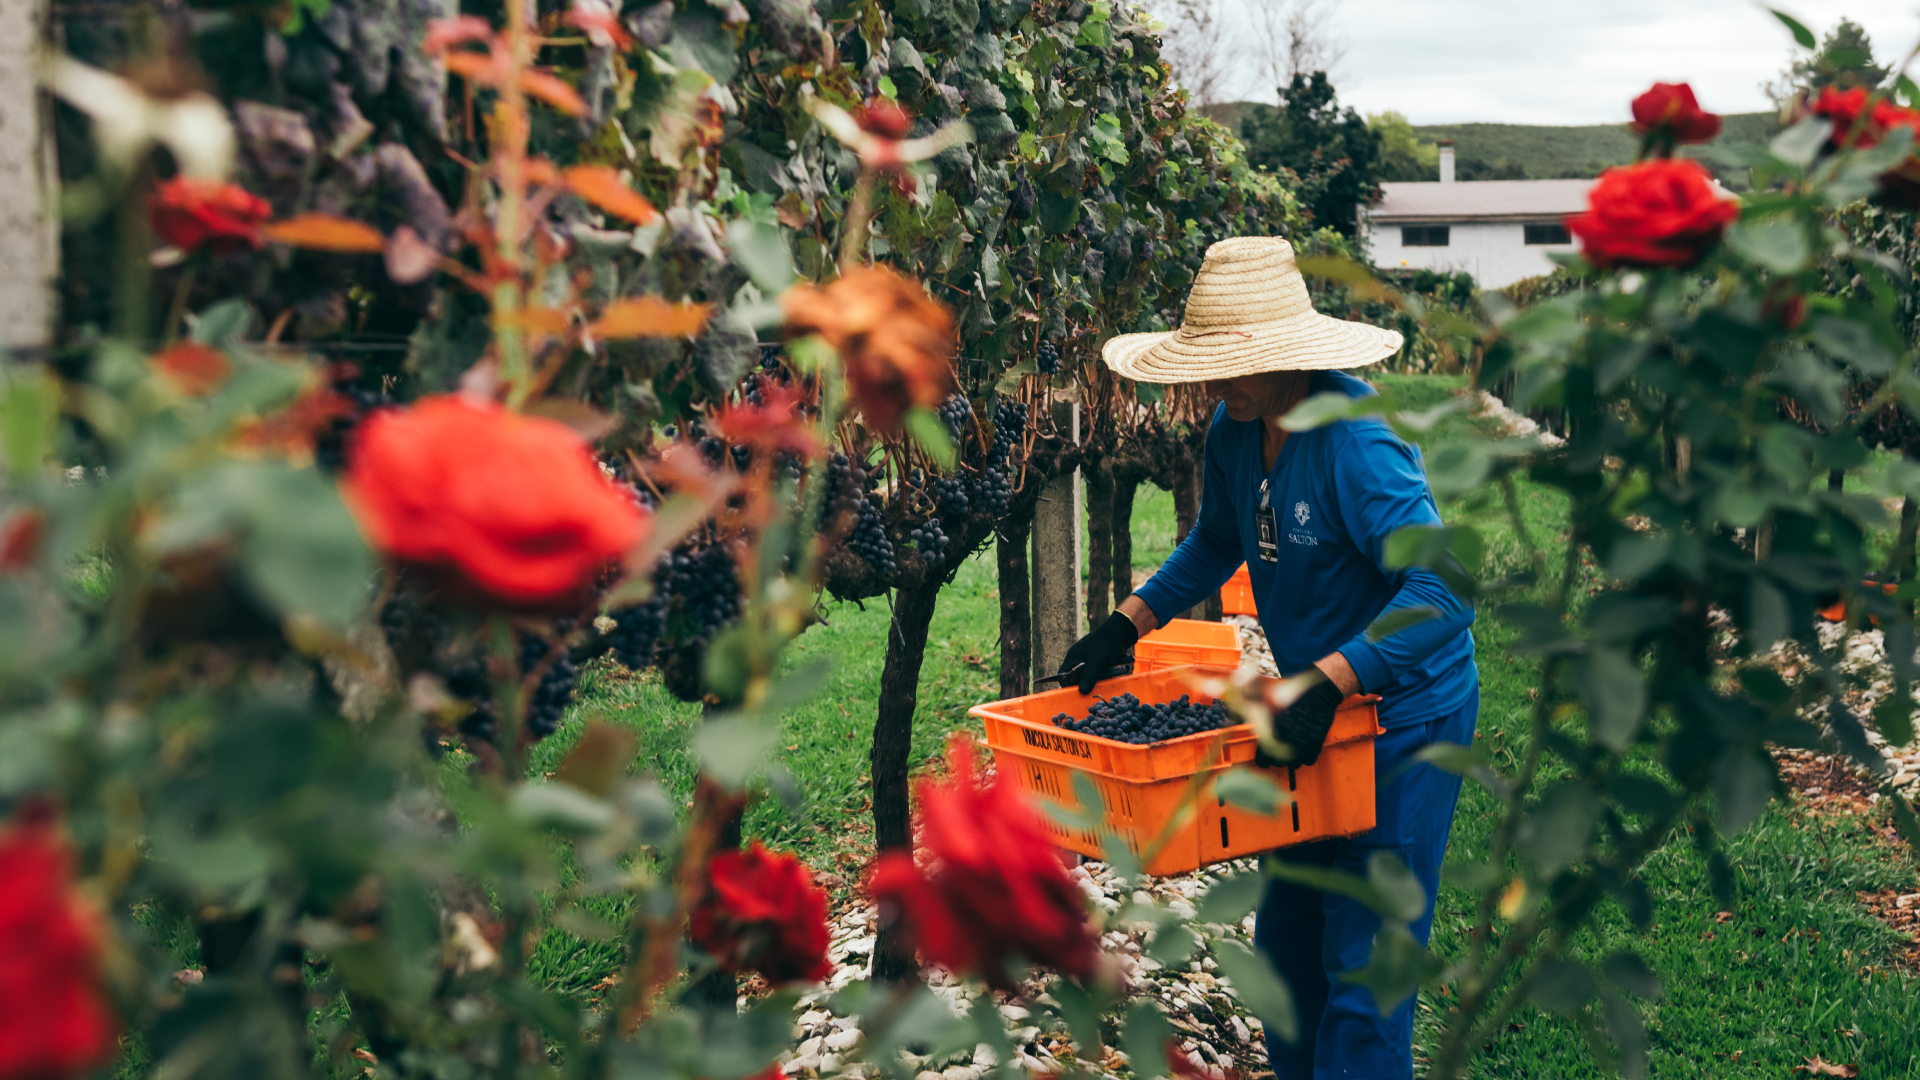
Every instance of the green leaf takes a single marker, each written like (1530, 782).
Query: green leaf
(1230, 901)
(1741, 788)
(1894, 719)
(1556, 832)
(1630, 973)
(1259, 988)
(1145, 1037)
(1637, 556)
(1562, 986)
(1459, 467)
(224, 324)
(1325, 408)
(1845, 339)
(931, 433)
(560, 805)
(1171, 945)
(1780, 244)
(1629, 1033)
(1766, 615)
(1396, 969)
(1801, 143)
(761, 250)
(1397, 619)
(1402, 894)
(732, 748)
(1615, 694)
(1801, 34)
(29, 418)
(1057, 213)
(1121, 858)
(1465, 761)
(1333, 881)
(1251, 790)
(1082, 1013)
(303, 552)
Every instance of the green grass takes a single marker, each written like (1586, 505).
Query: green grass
(1781, 981)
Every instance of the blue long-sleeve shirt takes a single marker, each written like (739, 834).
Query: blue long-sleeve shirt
(1338, 492)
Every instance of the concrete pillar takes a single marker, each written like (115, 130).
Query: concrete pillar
(29, 225)
(1059, 594)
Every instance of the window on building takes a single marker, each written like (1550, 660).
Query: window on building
(1424, 235)
(1553, 233)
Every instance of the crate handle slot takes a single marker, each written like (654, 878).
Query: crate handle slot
(1224, 844)
(1296, 817)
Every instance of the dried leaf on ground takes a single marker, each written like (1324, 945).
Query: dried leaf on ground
(1817, 1067)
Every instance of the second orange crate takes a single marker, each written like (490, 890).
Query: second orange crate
(1142, 787)
(1236, 596)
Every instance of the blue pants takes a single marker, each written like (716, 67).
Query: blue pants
(1312, 936)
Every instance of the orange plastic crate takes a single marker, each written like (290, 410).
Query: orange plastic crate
(1144, 786)
(1188, 643)
(1236, 596)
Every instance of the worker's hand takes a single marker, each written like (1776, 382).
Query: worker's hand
(1304, 726)
(1092, 655)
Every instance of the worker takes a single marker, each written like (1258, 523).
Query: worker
(1310, 513)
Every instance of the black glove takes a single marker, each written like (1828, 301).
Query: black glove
(1304, 726)
(1092, 655)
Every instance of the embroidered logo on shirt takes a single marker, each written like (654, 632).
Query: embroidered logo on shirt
(1301, 513)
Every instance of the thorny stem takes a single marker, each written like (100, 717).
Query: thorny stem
(853, 231)
(510, 159)
(658, 954)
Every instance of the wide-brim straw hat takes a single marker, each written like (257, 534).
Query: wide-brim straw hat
(1248, 313)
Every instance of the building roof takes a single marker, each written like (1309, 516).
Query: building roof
(1481, 200)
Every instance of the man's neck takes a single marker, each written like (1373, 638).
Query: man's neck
(1273, 437)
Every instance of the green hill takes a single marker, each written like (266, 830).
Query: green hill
(1542, 152)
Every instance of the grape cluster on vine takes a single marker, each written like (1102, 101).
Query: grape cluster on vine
(847, 493)
(931, 541)
(637, 629)
(1047, 357)
(957, 412)
(991, 487)
(554, 693)
(702, 587)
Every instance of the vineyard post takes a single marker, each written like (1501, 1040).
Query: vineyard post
(1058, 602)
(29, 225)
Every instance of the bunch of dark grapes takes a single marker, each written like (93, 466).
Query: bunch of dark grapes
(701, 585)
(467, 681)
(637, 630)
(1048, 358)
(949, 494)
(330, 445)
(555, 692)
(957, 411)
(1126, 719)
(992, 489)
(931, 541)
(847, 493)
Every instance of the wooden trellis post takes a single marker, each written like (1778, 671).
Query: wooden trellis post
(1059, 600)
(29, 219)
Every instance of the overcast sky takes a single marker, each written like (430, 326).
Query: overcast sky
(1572, 62)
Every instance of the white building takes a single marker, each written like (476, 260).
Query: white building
(1497, 230)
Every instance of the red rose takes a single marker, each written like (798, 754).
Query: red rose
(993, 886)
(1664, 212)
(1668, 112)
(20, 540)
(762, 912)
(54, 1019)
(1858, 126)
(895, 341)
(190, 213)
(514, 504)
(884, 118)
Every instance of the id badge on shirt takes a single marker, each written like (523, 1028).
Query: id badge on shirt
(1266, 531)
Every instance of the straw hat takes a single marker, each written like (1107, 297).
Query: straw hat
(1248, 312)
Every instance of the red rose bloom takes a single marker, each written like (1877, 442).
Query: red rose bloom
(762, 912)
(993, 886)
(191, 212)
(1857, 126)
(1664, 212)
(54, 1020)
(884, 118)
(514, 504)
(1669, 112)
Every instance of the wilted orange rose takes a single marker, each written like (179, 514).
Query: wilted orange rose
(193, 212)
(896, 342)
(515, 505)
